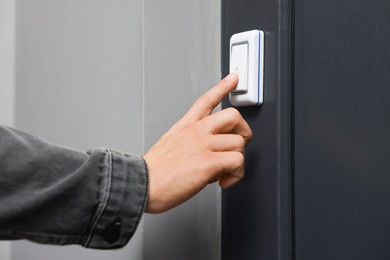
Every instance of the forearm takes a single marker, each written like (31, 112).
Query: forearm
(52, 194)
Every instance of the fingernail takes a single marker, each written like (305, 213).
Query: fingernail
(231, 76)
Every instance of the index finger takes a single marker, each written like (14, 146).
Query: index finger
(205, 104)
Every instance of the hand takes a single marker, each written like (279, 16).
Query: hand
(199, 149)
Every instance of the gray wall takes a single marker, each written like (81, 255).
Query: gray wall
(7, 90)
(129, 69)
(79, 83)
(7, 47)
(182, 59)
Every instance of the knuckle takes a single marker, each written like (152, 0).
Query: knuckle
(239, 172)
(190, 129)
(239, 160)
(240, 141)
(204, 101)
(250, 133)
(233, 112)
(209, 142)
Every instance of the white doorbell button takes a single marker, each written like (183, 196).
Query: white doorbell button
(239, 63)
(247, 60)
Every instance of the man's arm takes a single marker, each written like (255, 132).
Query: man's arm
(52, 194)
(55, 195)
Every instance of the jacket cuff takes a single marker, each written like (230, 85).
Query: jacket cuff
(122, 200)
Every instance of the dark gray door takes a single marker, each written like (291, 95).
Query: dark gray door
(342, 129)
(318, 169)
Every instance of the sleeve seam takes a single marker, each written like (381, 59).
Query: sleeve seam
(145, 198)
(106, 197)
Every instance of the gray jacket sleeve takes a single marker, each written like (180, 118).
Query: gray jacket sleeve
(56, 195)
